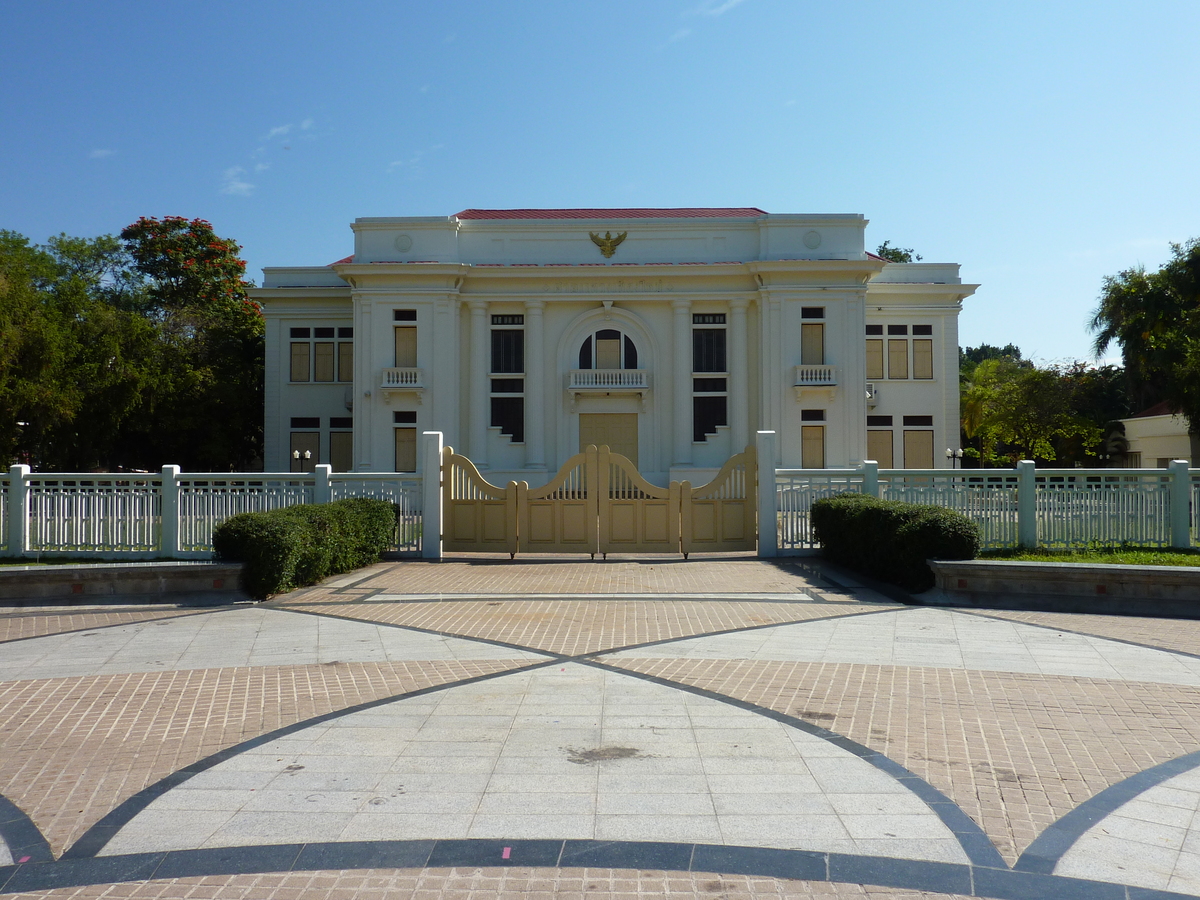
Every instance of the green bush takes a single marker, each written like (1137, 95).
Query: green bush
(288, 548)
(891, 540)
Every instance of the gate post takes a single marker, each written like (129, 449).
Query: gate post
(322, 488)
(1027, 531)
(18, 510)
(1181, 504)
(431, 496)
(768, 520)
(168, 537)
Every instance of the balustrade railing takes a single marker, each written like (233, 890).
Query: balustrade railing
(172, 514)
(1058, 508)
(402, 378)
(816, 376)
(608, 380)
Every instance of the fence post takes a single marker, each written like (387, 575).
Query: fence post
(322, 487)
(431, 499)
(870, 477)
(18, 510)
(1027, 531)
(768, 519)
(168, 533)
(1181, 504)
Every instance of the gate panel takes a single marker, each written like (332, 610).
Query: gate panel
(479, 516)
(723, 514)
(560, 517)
(635, 515)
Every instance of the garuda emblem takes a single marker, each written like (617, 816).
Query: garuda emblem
(608, 243)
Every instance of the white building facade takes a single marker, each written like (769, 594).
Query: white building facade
(672, 335)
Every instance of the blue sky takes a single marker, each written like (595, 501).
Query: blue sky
(1042, 145)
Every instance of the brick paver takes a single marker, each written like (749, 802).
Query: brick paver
(74, 748)
(26, 623)
(479, 574)
(483, 884)
(1015, 751)
(579, 626)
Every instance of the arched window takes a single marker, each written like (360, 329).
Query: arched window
(608, 348)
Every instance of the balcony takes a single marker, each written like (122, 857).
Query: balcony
(402, 379)
(607, 381)
(810, 378)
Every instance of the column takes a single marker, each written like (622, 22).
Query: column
(480, 408)
(535, 386)
(739, 395)
(365, 376)
(682, 394)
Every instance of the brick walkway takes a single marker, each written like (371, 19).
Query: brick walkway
(1109, 703)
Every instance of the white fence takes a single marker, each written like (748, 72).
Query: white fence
(1026, 506)
(172, 514)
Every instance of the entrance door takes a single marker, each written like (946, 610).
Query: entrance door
(618, 430)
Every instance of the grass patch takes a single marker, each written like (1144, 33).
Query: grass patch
(1113, 556)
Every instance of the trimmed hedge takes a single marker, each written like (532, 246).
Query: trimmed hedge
(891, 540)
(288, 548)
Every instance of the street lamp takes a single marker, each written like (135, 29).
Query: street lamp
(954, 456)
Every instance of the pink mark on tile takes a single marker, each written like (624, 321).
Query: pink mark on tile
(23, 859)
(507, 853)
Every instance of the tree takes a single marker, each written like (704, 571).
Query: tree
(209, 417)
(1155, 318)
(897, 254)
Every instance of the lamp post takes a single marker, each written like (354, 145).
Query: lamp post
(954, 456)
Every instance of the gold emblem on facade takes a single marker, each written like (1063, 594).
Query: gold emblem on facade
(608, 243)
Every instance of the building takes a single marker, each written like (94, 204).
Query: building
(1154, 437)
(671, 335)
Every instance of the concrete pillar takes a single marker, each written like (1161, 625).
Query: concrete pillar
(168, 535)
(431, 495)
(18, 511)
(1181, 504)
(682, 382)
(768, 518)
(1027, 531)
(322, 483)
(479, 407)
(870, 477)
(739, 394)
(535, 386)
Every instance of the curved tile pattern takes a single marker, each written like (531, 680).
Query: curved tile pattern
(253, 636)
(936, 638)
(563, 752)
(1151, 841)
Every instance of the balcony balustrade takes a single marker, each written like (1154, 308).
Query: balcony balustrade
(402, 379)
(608, 381)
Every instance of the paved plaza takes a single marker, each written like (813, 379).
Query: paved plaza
(569, 729)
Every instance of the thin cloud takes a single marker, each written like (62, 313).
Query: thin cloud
(100, 154)
(261, 167)
(679, 35)
(306, 124)
(278, 131)
(232, 182)
(716, 7)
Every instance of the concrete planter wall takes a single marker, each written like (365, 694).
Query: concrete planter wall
(134, 582)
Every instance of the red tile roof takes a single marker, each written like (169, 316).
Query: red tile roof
(1162, 408)
(344, 259)
(719, 212)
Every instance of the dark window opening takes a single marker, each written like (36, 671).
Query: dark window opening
(708, 350)
(919, 420)
(341, 422)
(708, 385)
(300, 332)
(812, 312)
(707, 414)
(508, 320)
(812, 415)
(508, 351)
(879, 421)
(404, 315)
(323, 332)
(630, 354)
(306, 422)
(508, 385)
(897, 329)
(922, 329)
(404, 418)
(508, 413)
(585, 354)
(345, 332)
(708, 318)
(874, 329)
